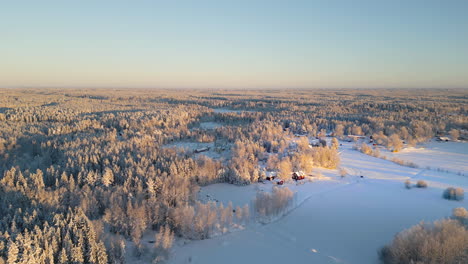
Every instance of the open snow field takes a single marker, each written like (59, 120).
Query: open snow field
(192, 146)
(210, 125)
(451, 156)
(337, 220)
(226, 110)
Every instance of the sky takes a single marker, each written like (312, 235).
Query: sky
(234, 44)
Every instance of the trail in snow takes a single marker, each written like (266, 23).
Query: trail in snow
(418, 174)
(309, 197)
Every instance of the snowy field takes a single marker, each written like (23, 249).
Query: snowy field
(210, 125)
(226, 110)
(192, 146)
(337, 220)
(449, 156)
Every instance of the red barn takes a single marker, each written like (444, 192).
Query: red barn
(298, 175)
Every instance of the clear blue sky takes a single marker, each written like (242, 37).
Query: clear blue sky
(234, 44)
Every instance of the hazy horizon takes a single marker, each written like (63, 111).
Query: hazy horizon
(91, 87)
(235, 45)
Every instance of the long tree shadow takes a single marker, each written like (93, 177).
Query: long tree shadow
(4, 109)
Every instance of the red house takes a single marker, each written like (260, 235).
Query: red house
(298, 175)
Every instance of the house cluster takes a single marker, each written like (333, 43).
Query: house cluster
(297, 176)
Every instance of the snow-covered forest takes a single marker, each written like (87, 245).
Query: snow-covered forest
(119, 176)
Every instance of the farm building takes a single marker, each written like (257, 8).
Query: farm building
(443, 139)
(298, 175)
(199, 150)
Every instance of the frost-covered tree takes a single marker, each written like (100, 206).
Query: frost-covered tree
(454, 134)
(335, 144)
(444, 242)
(107, 177)
(285, 169)
(394, 142)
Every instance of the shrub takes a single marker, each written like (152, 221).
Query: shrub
(326, 157)
(460, 214)
(268, 204)
(343, 172)
(443, 242)
(454, 194)
(421, 184)
(408, 184)
(366, 149)
(202, 220)
(405, 163)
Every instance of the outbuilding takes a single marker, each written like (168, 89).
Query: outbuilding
(298, 175)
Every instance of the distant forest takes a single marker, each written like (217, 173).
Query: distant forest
(84, 174)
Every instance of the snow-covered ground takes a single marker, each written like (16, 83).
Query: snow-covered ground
(191, 146)
(449, 156)
(227, 110)
(336, 220)
(210, 125)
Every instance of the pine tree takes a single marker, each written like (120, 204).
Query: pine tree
(77, 254)
(168, 238)
(107, 177)
(91, 178)
(13, 252)
(63, 258)
(335, 144)
(122, 251)
(101, 253)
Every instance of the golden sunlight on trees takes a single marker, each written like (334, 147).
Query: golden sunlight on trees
(285, 169)
(84, 174)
